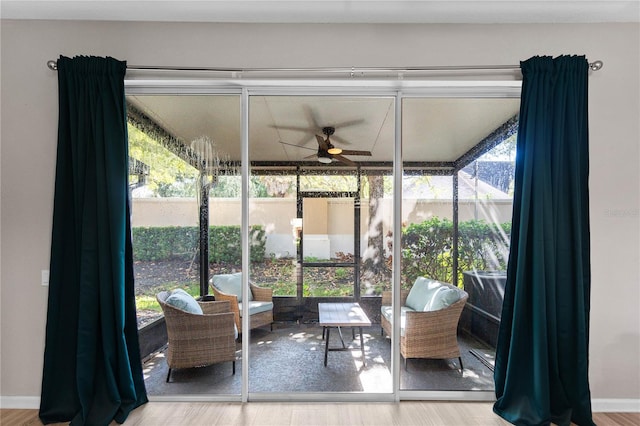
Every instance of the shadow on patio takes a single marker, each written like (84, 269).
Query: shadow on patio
(291, 359)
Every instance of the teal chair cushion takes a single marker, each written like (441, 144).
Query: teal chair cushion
(255, 307)
(387, 312)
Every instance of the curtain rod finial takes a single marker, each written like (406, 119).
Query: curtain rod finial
(596, 66)
(52, 65)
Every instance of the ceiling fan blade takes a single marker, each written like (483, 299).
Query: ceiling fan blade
(322, 143)
(348, 123)
(297, 128)
(355, 152)
(311, 118)
(298, 146)
(345, 160)
(341, 140)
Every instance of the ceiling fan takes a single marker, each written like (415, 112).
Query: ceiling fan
(327, 151)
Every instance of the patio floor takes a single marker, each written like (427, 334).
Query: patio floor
(291, 359)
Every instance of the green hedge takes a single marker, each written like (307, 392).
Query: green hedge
(181, 242)
(427, 248)
(164, 242)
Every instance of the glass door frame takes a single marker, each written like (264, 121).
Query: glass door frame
(399, 90)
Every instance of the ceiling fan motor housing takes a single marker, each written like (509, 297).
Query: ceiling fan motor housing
(328, 130)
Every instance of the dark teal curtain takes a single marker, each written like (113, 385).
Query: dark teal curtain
(541, 370)
(92, 370)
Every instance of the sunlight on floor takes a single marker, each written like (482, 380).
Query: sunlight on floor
(290, 359)
(374, 377)
(303, 336)
(469, 374)
(150, 365)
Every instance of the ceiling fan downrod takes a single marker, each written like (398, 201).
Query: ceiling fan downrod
(331, 149)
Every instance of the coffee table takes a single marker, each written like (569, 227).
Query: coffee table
(336, 315)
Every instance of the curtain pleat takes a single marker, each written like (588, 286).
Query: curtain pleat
(541, 372)
(92, 370)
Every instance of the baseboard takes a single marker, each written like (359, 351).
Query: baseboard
(597, 405)
(20, 402)
(615, 405)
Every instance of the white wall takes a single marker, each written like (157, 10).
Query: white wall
(29, 127)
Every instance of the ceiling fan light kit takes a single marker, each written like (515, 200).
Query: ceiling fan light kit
(333, 150)
(324, 159)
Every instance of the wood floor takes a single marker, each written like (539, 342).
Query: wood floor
(310, 414)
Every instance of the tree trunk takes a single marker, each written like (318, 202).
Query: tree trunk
(373, 264)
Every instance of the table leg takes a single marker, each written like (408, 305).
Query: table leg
(326, 346)
(362, 346)
(342, 338)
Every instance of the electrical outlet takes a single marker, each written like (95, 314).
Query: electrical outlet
(45, 277)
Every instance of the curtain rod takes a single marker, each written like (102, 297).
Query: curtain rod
(593, 66)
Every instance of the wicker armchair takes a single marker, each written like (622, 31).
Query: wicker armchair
(430, 334)
(199, 340)
(259, 294)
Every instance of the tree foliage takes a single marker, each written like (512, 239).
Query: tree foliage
(231, 187)
(169, 175)
(328, 182)
(504, 151)
(427, 248)
(277, 186)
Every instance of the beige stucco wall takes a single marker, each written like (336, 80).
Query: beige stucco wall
(29, 129)
(327, 220)
(327, 216)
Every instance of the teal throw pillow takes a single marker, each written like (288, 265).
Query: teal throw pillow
(443, 298)
(182, 300)
(421, 293)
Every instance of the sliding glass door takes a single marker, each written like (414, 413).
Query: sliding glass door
(310, 193)
(323, 223)
(184, 165)
(456, 212)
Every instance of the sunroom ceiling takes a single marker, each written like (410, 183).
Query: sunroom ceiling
(433, 129)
